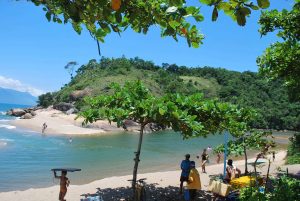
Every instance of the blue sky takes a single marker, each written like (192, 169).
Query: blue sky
(34, 52)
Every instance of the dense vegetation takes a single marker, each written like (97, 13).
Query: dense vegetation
(284, 188)
(293, 155)
(246, 89)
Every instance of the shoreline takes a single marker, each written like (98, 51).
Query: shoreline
(59, 123)
(162, 179)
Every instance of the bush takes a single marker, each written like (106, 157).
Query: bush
(294, 150)
(45, 100)
(284, 189)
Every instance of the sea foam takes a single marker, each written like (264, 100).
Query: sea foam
(7, 126)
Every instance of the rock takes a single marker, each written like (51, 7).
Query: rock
(63, 106)
(33, 113)
(78, 94)
(18, 112)
(27, 116)
(37, 108)
(71, 111)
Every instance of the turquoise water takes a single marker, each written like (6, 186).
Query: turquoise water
(27, 157)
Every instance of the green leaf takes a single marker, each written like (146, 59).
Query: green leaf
(240, 17)
(195, 45)
(246, 11)
(48, 16)
(263, 3)
(215, 14)
(161, 111)
(174, 24)
(254, 7)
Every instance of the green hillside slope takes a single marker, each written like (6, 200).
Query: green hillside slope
(246, 89)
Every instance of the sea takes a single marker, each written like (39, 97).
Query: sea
(26, 157)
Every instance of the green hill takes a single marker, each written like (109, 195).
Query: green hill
(246, 89)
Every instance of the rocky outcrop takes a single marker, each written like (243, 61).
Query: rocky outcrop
(27, 116)
(24, 113)
(78, 94)
(71, 111)
(17, 112)
(63, 106)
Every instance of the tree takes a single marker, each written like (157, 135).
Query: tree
(70, 67)
(101, 17)
(191, 115)
(282, 59)
(46, 99)
(252, 140)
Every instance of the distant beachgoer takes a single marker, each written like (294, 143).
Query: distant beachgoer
(185, 170)
(64, 183)
(273, 156)
(231, 171)
(204, 159)
(44, 127)
(70, 140)
(194, 182)
(218, 157)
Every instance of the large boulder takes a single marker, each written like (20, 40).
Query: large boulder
(71, 111)
(33, 113)
(18, 112)
(63, 106)
(78, 94)
(27, 116)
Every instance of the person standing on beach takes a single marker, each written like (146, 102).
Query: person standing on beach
(64, 183)
(218, 157)
(194, 182)
(44, 127)
(185, 170)
(204, 159)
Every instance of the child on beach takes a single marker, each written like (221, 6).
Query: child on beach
(64, 183)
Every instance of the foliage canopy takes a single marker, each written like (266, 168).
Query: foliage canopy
(102, 17)
(282, 59)
(191, 115)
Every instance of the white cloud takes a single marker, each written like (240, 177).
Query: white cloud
(9, 83)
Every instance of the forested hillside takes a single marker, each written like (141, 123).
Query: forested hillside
(246, 89)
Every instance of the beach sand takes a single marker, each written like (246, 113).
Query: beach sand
(161, 179)
(60, 123)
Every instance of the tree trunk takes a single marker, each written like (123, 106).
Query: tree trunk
(255, 172)
(246, 158)
(137, 160)
(267, 179)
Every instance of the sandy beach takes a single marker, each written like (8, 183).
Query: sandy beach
(60, 123)
(160, 179)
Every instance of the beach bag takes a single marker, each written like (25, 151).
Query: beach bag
(186, 194)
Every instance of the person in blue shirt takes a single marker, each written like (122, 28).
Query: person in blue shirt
(185, 170)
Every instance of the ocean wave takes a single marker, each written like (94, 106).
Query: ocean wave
(2, 113)
(2, 144)
(7, 126)
(4, 120)
(6, 140)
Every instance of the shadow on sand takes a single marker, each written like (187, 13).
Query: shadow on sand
(153, 192)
